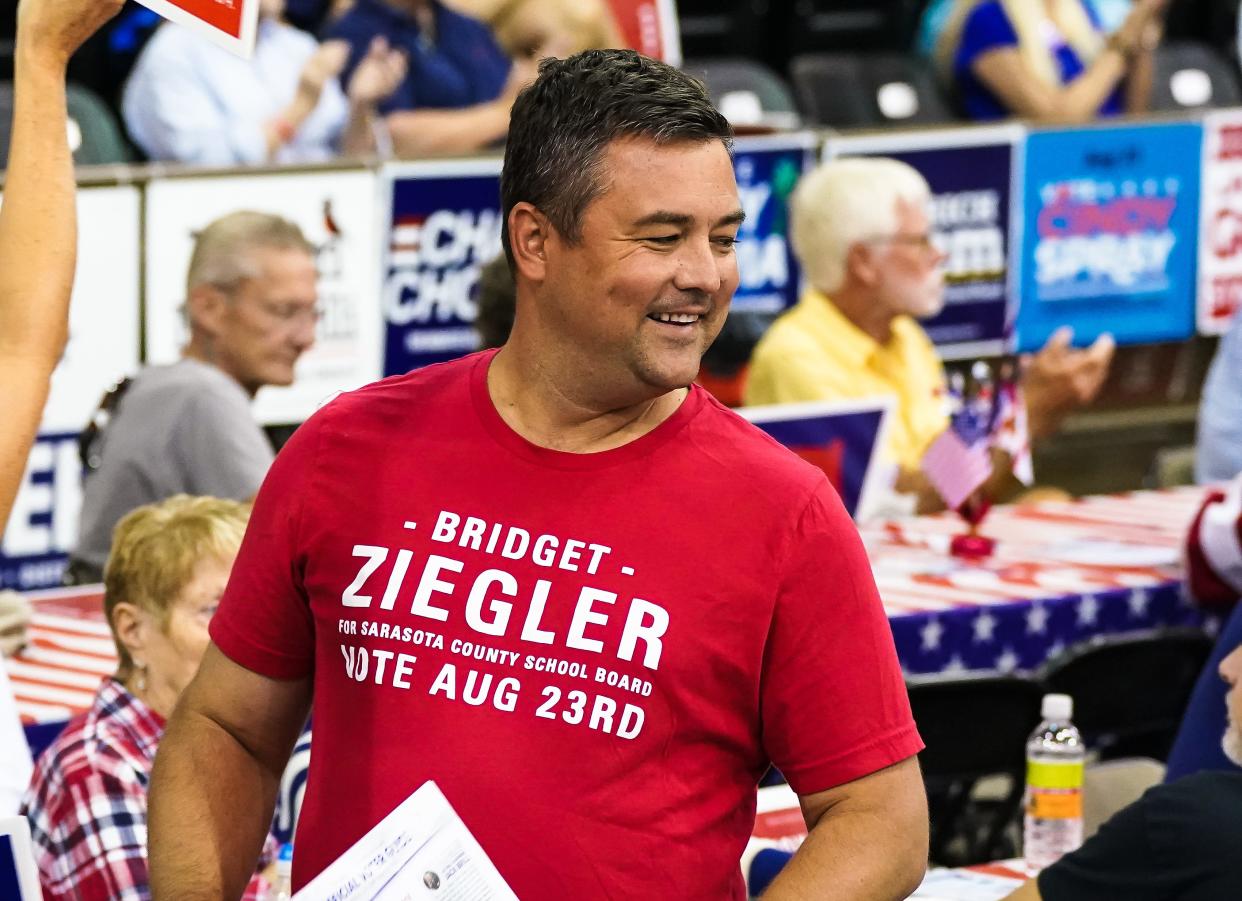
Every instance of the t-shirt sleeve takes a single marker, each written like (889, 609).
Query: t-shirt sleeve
(264, 621)
(986, 28)
(834, 703)
(221, 449)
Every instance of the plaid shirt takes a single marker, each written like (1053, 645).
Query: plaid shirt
(87, 803)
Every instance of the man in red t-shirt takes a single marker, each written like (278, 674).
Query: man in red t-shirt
(585, 599)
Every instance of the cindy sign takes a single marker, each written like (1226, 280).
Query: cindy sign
(1220, 223)
(443, 224)
(1109, 233)
(971, 173)
(767, 170)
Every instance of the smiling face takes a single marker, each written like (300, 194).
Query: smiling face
(635, 303)
(1231, 672)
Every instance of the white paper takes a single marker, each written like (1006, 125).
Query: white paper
(420, 850)
(964, 885)
(15, 764)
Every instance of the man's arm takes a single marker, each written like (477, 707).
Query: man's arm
(867, 841)
(213, 788)
(38, 224)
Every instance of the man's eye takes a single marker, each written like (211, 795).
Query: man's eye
(661, 239)
(726, 241)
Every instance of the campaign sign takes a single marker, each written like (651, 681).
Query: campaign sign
(650, 27)
(230, 23)
(103, 346)
(1220, 222)
(336, 212)
(767, 171)
(1111, 216)
(971, 173)
(841, 438)
(443, 221)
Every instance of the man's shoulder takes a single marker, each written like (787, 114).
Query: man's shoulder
(744, 451)
(407, 394)
(196, 380)
(1202, 810)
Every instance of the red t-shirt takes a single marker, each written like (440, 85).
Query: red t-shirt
(595, 656)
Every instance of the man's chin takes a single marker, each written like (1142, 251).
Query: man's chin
(1231, 744)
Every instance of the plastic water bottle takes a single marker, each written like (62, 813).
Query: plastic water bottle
(282, 888)
(1054, 765)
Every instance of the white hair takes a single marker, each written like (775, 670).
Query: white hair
(846, 201)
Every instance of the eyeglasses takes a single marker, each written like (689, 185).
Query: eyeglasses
(289, 314)
(924, 242)
(99, 420)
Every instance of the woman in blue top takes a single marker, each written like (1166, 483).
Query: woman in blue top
(1048, 60)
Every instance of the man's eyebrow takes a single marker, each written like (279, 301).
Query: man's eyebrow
(681, 220)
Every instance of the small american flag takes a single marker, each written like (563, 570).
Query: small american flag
(956, 468)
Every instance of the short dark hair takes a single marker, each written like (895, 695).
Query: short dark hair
(562, 124)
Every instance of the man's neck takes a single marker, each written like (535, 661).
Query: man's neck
(860, 308)
(551, 407)
(201, 351)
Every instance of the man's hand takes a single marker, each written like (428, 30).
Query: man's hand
(14, 622)
(54, 29)
(326, 62)
(1060, 379)
(377, 75)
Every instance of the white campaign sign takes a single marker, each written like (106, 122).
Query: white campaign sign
(103, 347)
(1220, 222)
(337, 212)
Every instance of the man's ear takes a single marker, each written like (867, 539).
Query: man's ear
(861, 264)
(133, 626)
(204, 308)
(529, 233)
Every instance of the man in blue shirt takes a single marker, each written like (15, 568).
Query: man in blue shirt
(459, 85)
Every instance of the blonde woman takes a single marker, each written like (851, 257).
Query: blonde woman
(87, 802)
(1048, 60)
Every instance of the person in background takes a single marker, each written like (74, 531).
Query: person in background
(186, 428)
(38, 223)
(458, 85)
(191, 101)
(1214, 581)
(87, 801)
(935, 16)
(1178, 842)
(1218, 444)
(526, 29)
(860, 229)
(1048, 61)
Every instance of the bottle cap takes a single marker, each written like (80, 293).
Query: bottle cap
(1058, 708)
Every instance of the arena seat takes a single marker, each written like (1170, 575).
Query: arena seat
(846, 90)
(1192, 76)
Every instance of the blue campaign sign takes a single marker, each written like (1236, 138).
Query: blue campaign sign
(841, 438)
(443, 224)
(1111, 218)
(43, 526)
(767, 171)
(971, 173)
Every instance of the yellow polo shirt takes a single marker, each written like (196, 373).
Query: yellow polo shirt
(813, 352)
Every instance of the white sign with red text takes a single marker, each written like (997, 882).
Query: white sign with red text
(1220, 222)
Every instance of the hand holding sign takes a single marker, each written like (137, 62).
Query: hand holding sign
(56, 28)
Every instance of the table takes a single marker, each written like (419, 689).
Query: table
(1062, 572)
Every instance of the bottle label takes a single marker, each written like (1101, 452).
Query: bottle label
(1055, 804)
(1041, 774)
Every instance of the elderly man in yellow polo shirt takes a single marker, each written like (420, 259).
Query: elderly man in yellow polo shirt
(860, 229)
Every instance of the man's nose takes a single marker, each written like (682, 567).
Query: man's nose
(698, 267)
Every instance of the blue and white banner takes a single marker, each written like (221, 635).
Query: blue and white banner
(1111, 217)
(841, 438)
(443, 224)
(767, 171)
(972, 173)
